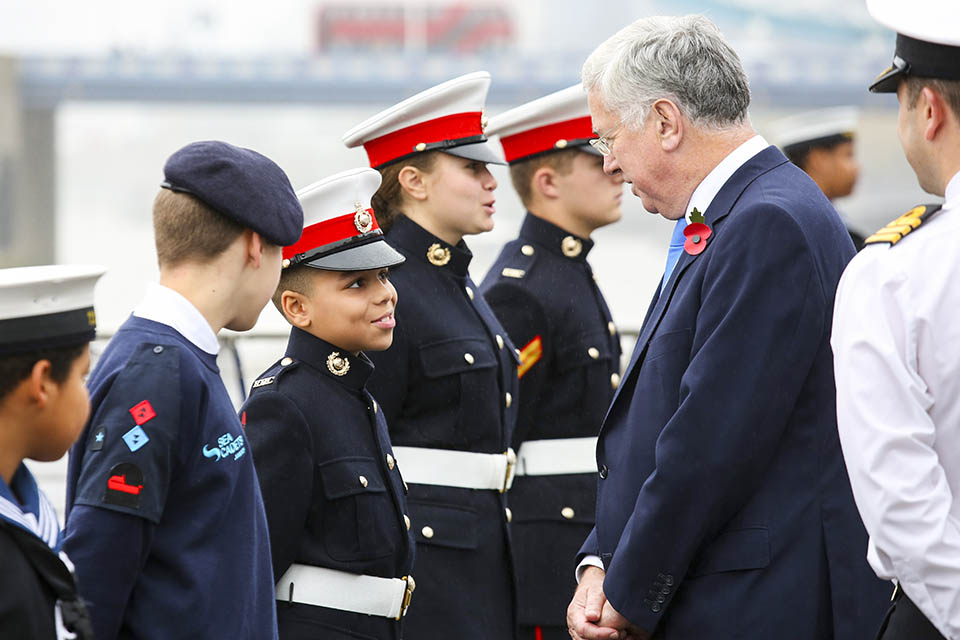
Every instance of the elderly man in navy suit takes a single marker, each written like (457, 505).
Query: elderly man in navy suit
(724, 509)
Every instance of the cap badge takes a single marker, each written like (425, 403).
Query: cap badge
(438, 255)
(337, 364)
(91, 318)
(363, 221)
(571, 247)
(484, 121)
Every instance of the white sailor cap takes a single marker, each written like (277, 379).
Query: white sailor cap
(555, 122)
(822, 127)
(447, 117)
(928, 40)
(47, 307)
(340, 231)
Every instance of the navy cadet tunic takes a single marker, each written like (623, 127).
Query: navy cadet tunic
(165, 523)
(434, 396)
(331, 486)
(543, 291)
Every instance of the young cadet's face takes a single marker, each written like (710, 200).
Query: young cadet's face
(65, 414)
(460, 195)
(588, 193)
(353, 309)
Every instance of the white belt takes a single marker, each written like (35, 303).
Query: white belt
(559, 456)
(322, 587)
(464, 469)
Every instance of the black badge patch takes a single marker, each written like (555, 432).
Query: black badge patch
(124, 485)
(99, 436)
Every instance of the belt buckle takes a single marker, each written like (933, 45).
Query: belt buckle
(511, 466)
(407, 595)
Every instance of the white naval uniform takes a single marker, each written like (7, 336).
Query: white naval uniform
(896, 344)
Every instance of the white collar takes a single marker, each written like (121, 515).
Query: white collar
(166, 306)
(43, 523)
(951, 196)
(708, 189)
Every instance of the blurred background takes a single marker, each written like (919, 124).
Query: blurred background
(94, 96)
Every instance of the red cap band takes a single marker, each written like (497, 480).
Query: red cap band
(527, 143)
(328, 232)
(404, 142)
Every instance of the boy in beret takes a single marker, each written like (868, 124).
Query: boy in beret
(46, 325)
(335, 500)
(165, 522)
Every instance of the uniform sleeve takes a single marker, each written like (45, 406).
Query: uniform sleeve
(390, 378)
(760, 324)
(283, 457)
(526, 324)
(887, 436)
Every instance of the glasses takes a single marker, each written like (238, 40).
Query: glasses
(604, 144)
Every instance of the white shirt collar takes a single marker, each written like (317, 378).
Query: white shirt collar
(166, 306)
(708, 189)
(951, 197)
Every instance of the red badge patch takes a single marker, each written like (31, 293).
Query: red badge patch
(243, 419)
(143, 412)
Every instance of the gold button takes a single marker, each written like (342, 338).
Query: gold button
(363, 481)
(427, 532)
(612, 328)
(561, 144)
(527, 250)
(406, 521)
(391, 462)
(469, 358)
(571, 247)
(614, 380)
(568, 513)
(421, 146)
(508, 399)
(500, 341)
(517, 351)
(469, 292)
(509, 514)
(286, 362)
(286, 263)
(593, 352)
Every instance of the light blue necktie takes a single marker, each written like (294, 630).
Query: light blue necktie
(676, 248)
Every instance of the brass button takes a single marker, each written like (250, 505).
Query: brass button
(571, 247)
(406, 521)
(568, 513)
(517, 351)
(286, 263)
(469, 358)
(421, 146)
(612, 328)
(500, 341)
(614, 380)
(469, 292)
(527, 250)
(427, 532)
(391, 462)
(593, 352)
(363, 481)
(438, 255)
(507, 512)
(286, 362)
(508, 399)
(561, 144)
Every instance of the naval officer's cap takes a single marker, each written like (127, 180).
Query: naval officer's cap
(47, 307)
(341, 232)
(552, 123)
(820, 128)
(928, 40)
(240, 184)
(447, 117)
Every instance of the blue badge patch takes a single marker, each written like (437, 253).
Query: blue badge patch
(227, 445)
(98, 439)
(136, 438)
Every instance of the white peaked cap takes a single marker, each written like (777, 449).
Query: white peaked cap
(936, 21)
(811, 126)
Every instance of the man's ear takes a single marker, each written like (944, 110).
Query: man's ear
(40, 384)
(412, 182)
(255, 246)
(296, 307)
(934, 112)
(544, 183)
(667, 123)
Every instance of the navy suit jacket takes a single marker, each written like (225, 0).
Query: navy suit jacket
(724, 508)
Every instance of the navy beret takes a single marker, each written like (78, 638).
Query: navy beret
(241, 184)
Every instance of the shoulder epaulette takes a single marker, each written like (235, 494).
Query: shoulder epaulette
(520, 263)
(905, 224)
(273, 373)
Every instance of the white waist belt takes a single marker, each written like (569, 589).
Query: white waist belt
(464, 469)
(559, 456)
(322, 587)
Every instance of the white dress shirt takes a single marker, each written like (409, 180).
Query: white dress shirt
(701, 198)
(896, 344)
(166, 306)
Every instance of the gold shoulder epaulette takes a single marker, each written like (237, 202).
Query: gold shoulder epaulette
(896, 230)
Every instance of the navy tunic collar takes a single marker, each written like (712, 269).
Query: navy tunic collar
(420, 244)
(330, 360)
(554, 239)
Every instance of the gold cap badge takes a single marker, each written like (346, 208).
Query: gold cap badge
(363, 221)
(438, 255)
(337, 364)
(571, 246)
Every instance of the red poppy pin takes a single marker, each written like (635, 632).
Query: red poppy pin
(696, 234)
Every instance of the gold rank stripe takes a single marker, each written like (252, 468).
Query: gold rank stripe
(895, 231)
(530, 355)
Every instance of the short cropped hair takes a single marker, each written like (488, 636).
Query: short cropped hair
(684, 59)
(17, 367)
(521, 173)
(296, 279)
(187, 230)
(949, 90)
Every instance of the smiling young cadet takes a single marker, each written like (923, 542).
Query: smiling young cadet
(165, 522)
(543, 291)
(448, 382)
(335, 501)
(46, 324)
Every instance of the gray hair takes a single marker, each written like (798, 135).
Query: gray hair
(684, 59)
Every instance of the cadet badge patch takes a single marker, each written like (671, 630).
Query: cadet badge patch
(142, 412)
(135, 438)
(530, 355)
(99, 436)
(124, 486)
